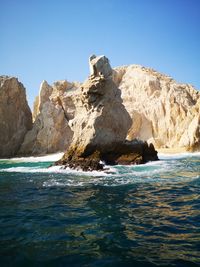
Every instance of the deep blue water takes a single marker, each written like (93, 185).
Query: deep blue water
(147, 215)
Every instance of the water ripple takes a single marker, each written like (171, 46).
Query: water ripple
(146, 215)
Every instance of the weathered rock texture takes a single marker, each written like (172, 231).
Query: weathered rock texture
(15, 115)
(160, 111)
(52, 111)
(163, 112)
(100, 66)
(101, 123)
(35, 108)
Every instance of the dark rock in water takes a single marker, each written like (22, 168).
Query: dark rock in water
(88, 163)
(127, 153)
(132, 152)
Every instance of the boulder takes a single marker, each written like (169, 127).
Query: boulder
(15, 115)
(163, 112)
(100, 66)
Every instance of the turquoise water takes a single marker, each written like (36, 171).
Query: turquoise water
(147, 215)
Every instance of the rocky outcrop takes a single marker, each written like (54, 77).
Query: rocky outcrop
(160, 111)
(52, 111)
(100, 66)
(163, 112)
(15, 115)
(101, 124)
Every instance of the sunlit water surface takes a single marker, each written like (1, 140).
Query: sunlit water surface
(147, 215)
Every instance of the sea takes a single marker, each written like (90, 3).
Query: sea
(142, 215)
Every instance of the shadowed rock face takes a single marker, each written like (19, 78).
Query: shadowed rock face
(15, 115)
(101, 124)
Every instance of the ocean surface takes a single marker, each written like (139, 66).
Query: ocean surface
(146, 215)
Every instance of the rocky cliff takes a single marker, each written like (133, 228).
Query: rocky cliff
(163, 111)
(53, 109)
(101, 124)
(15, 115)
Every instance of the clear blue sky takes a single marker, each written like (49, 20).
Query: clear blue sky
(52, 39)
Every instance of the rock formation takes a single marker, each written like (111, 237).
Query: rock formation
(15, 115)
(163, 112)
(160, 111)
(101, 124)
(100, 66)
(52, 111)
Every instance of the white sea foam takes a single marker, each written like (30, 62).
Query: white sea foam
(46, 158)
(56, 169)
(57, 156)
(178, 155)
(122, 170)
(115, 180)
(164, 170)
(160, 171)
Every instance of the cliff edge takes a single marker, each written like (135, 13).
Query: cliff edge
(15, 115)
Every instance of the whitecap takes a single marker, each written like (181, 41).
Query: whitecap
(57, 169)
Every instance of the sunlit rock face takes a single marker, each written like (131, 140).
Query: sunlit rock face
(101, 122)
(100, 66)
(163, 111)
(100, 115)
(52, 111)
(15, 115)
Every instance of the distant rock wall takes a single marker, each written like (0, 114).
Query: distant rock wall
(52, 111)
(15, 115)
(163, 111)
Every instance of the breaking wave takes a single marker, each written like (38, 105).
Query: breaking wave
(46, 158)
(149, 210)
(168, 169)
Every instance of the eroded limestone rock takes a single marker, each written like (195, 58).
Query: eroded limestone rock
(163, 112)
(15, 115)
(100, 66)
(51, 132)
(101, 124)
